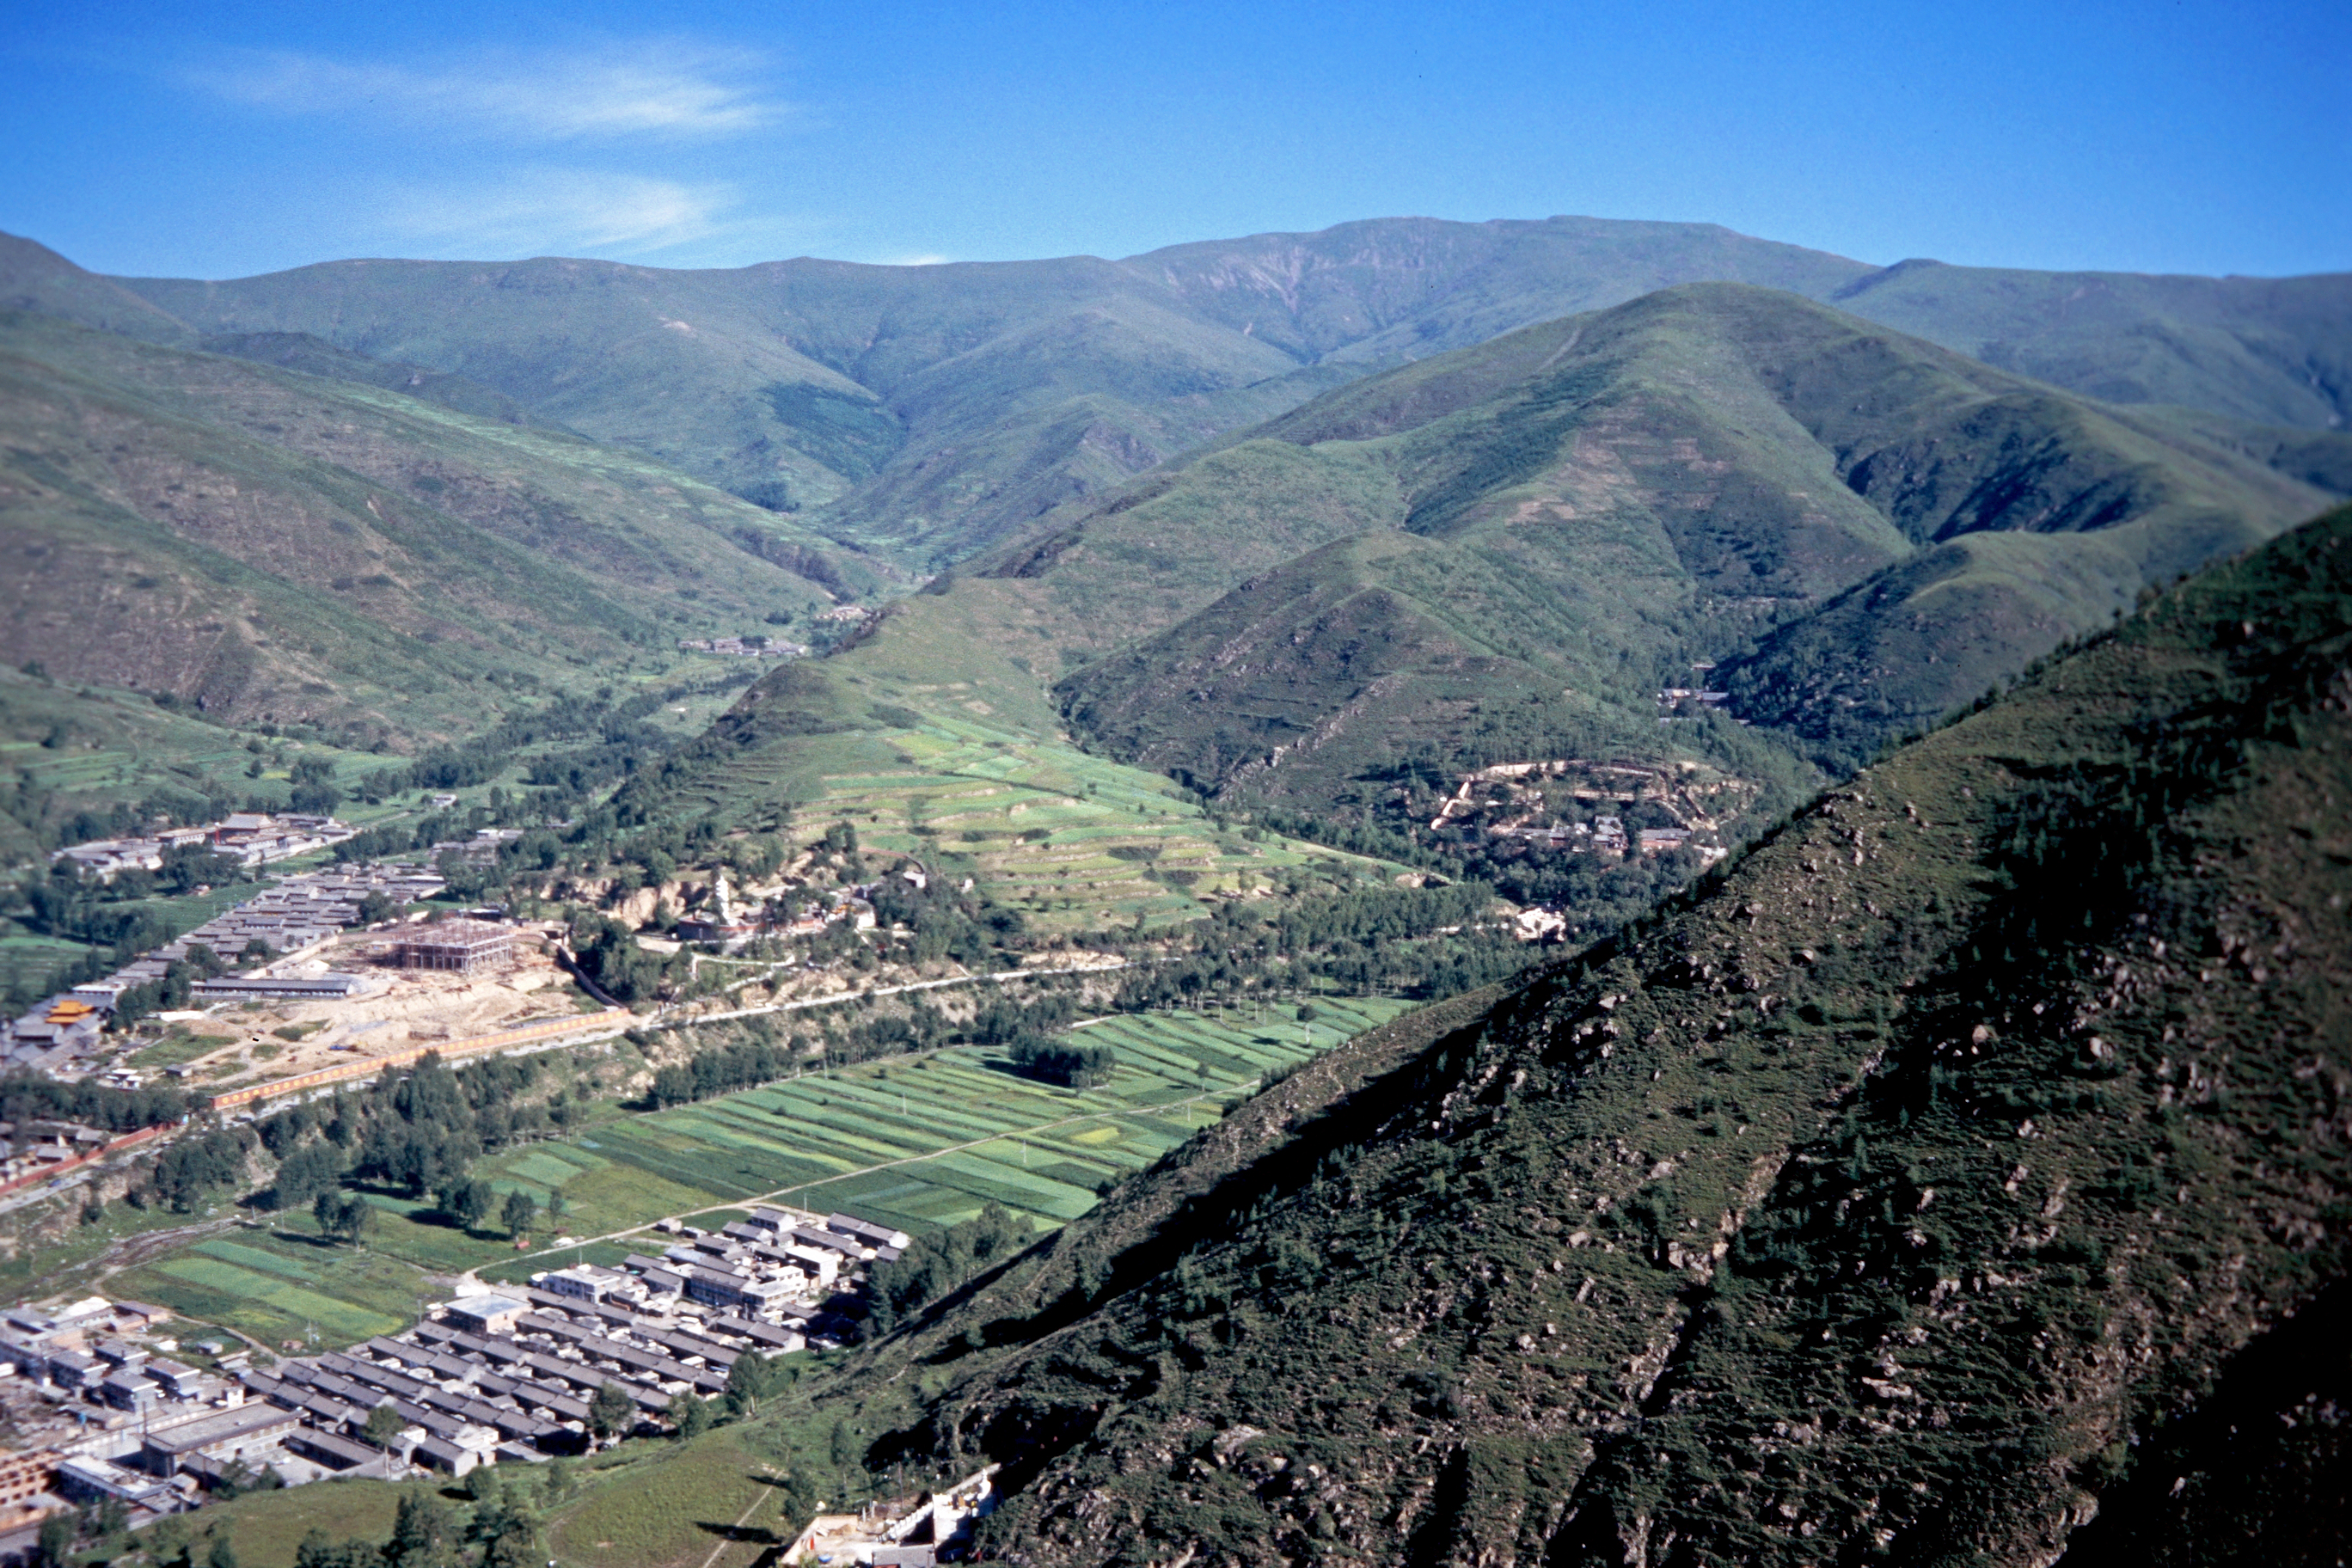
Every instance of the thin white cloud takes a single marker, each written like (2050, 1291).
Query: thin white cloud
(647, 87)
(549, 211)
(920, 260)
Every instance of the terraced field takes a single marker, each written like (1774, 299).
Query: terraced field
(1073, 840)
(919, 1141)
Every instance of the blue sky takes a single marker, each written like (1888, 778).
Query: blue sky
(226, 140)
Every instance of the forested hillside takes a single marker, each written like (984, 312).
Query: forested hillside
(1916, 1187)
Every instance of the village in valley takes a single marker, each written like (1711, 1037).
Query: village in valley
(322, 972)
(124, 1417)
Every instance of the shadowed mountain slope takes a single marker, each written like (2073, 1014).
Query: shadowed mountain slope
(940, 408)
(1897, 1196)
(276, 546)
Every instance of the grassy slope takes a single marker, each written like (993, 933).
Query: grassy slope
(36, 279)
(797, 381)
(272, 544)
(1959, 1137)
(316, 356)
(1604, 498)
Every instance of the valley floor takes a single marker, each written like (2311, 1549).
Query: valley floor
(918, 1141)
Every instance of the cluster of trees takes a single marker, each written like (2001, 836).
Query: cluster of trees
(193, 1166)
(761, 1060)
(943, 921)
(343, 1215)
(501, 1528)
(1378, 914)
(617, 740)
(31, 1097)
(311, 786)
(166, 1540)
(1425, 940)
(417, 1131)
(1602, 895)
(1004, 1019)
(419, 1134)
(752, 1379)
(937, 1265)
(1363, 837)
(67, 902)
(764, 1058)
(115, 917)
(609, 956)
(63, 903)
(1062, 1060)
(468, 1200)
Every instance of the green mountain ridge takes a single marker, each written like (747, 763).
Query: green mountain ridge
(1595, 504)
(980, 396)
(37, 279)
(1905, 1195)
(2269, 350)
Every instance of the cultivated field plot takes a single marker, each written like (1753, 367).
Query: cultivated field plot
(28, 961)
(919, 1141)
(924, 1142)
(278, 1285)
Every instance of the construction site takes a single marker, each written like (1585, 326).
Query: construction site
(417, 987)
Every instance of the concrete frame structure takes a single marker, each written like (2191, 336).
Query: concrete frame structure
(457, 946)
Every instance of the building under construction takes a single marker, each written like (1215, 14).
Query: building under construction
(459, 946)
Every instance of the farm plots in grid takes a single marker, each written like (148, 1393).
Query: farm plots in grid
(923, 1141)
(919, 1141)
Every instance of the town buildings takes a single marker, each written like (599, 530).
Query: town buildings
(743, 646)
(505, 1376)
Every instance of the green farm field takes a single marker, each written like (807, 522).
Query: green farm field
(923, 1142)
(281, 1284)
(920, 1142)
(1072, 841)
